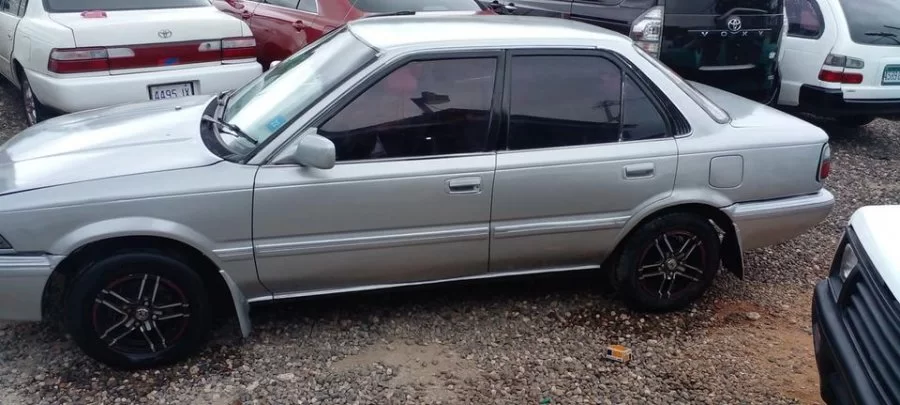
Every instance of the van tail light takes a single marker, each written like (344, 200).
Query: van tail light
(646, 31)
(834, 70)
(824, 163)
(85, 60)
(239, 48)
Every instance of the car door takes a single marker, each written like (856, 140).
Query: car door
(578, 161)
(282, 28)
(9, 20)
(410, 196)
(811, 35)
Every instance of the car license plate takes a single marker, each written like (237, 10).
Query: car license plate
(173, 90)
(891, 75)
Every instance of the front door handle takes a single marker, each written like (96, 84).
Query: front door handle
(639, 170)
(464, 185)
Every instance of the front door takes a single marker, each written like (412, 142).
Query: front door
(9, 20)
(810, 37)
(586, 148)
(410, 196)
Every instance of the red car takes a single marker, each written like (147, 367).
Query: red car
(282, 27)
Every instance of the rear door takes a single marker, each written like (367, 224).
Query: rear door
(283, 27)
(585, 149)
(9, 20)
(242, 9)
(812, 33)
(874, 37)
(721, 35)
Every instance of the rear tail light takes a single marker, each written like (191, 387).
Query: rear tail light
(646, 31)
(824, 163)
(834, 70)
(85, 60)
(238, 48)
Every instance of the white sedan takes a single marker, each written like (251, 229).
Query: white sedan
(74, 55)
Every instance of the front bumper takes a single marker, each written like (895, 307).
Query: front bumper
(831, 103)
(842, 376)
(22, 281)
(73, 94)
(766, 223)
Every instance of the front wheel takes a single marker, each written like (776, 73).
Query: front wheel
(138, 309)
(668, 262)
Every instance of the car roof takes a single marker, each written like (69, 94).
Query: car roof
(437, 30)
(878, 230)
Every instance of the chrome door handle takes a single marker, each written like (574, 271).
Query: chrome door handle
(464, 185)
(639, 170)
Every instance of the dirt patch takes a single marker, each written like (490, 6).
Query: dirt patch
(433, 368)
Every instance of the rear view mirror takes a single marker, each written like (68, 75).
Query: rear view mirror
(315, 151)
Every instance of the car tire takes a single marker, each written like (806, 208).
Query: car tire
(138, 309)
(668, 263)
(855, 121)
(35, 112)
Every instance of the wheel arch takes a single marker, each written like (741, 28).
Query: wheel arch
(732, 255)
(84, 245)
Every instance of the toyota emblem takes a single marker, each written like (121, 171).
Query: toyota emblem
(167, 33)
(734, 24)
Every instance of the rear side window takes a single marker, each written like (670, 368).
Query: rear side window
(77, 6)
(390, 6)
(873, 22)
(804, 18)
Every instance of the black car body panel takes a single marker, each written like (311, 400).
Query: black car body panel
(730, 44)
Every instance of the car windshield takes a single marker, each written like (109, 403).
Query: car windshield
(275, 98)
(390, 6)
(873, 22)
(714, 111)
(77, 6)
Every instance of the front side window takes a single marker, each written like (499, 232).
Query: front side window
(274, 99)
(564, 101)
(424, 108)
(804, 18)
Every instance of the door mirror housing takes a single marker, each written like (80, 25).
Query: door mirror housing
(274, 63)
(314, 150)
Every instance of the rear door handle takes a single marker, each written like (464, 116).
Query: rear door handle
(464, 185)
(298, 25)
(639, 170)
(246, 14)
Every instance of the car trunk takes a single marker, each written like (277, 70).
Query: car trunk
(155, 38)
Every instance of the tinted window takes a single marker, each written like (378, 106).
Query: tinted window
(389, 6)
(10, 6)
(873, 22)
(284, 3)
(436, 107)
(66, 6)
(563, 101)
(804, 18)
(640, 118)
(308, 5)
(719, 7)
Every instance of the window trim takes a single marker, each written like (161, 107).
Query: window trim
(626, 68)
(386, 69)
(819, 16)
(295, 8)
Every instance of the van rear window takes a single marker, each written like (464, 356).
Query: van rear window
(77, 6)
(873, 22)
(719, 7)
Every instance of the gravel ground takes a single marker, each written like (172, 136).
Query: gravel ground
(517, 341)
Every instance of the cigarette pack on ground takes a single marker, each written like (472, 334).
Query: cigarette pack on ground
(618, 353)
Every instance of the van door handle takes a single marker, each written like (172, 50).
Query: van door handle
(639, 170)
(464, 185)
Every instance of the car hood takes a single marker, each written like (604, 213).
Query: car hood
(107, 142)
(746, 113)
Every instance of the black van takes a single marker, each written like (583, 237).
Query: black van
(730, 44)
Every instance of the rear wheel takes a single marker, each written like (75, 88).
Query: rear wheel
(853, 121)
(668, 262)
(35, 112)
(138, 309)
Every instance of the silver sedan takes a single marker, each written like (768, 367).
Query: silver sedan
(396, 151)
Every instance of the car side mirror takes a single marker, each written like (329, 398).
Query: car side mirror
(274, 63)
(315, 150)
